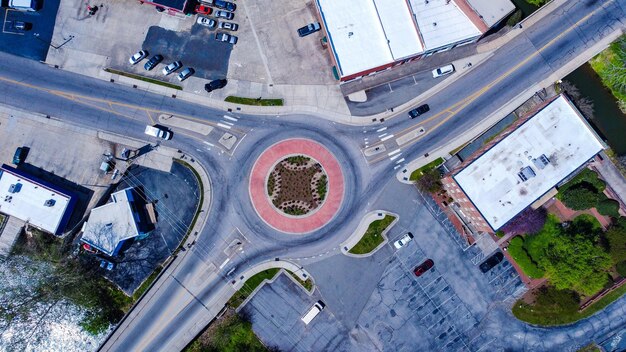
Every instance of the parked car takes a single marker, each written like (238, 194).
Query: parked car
(21, 25)
(424, 267)
(308, 29)
(420, 110)
(229, 26)
(207, 22)
(225, 5)
(215, 84)
(24, 5)
(203, 10)
(158, 131)
(404, 240)
(172, 67)
(491, 262)
(225, 37)
(107, 265)
(186, 73)
(155, 60)
(224, 14)
(140, 55)
(20, 155)
(442, 71)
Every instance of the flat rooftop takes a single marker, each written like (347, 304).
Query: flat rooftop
(111, 223)
(442, 22)
(492, 11)
(365, 34)
(29, 199)
(529, 162)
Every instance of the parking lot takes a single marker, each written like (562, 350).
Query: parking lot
(35, 42)
(176, 196)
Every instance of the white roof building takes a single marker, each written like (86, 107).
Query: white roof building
(110, 225)
(371, 35)
(526, 164)
(32, 200)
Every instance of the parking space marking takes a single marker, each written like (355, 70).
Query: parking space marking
(6, 15)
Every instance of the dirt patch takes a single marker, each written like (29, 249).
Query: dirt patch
(297, 185)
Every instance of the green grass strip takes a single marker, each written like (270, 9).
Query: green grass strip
(254, 101)
(145, 79)
(415, 175)
(373, 237)
(529, 313)
(251, 284)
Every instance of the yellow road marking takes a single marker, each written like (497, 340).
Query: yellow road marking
(470, 99)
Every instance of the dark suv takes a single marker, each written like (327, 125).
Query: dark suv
(225, 5)
(153, 62)
(215, 84)
(491, 262)
(420, 110)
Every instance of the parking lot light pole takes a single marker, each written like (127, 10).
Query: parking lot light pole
(36, 35)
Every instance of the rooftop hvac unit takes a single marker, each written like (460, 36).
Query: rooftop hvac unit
(541, 161)
(526, 173)
(14, 188)
(50, 203)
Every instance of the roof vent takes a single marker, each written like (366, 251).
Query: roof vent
(49, 203)
(14, 188)
(526, 173)
(541, 161)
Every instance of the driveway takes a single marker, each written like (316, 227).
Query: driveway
(34, 43)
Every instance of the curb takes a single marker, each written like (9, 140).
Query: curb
(361, 229)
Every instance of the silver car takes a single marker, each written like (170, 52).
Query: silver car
(229, 26)
(140, 55)
(186, 73)
(172, 67)
(207, 22)
(225, 37)
(224, 14)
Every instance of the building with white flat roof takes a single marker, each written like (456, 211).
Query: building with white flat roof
(35, 201)
(111, 225)
(494, 186)
(367, 36)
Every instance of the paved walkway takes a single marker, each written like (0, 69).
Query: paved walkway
(9, 234)
(258, 186)
(612, 176)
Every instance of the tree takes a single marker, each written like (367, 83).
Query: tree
(576, 262)
(528, 221)
(536, 2)
(430, 181)
(616, 238)
(608, 207)
(580, 197)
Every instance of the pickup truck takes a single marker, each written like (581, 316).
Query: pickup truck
(158, 131)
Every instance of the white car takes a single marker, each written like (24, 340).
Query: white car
(206, 22)
(140, 55)
(442, 71)
(403, 241)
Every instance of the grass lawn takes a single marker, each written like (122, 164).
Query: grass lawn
(145, 79)
(551, 317)
(415, 175)
(307, 284)
(237, 299)
(231, 333)
(602, 63)
(373, 236)
(254, 101)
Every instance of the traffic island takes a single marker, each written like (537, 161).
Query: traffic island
(370, 235)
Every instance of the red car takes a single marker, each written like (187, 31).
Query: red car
(203, 10)
(424, 267)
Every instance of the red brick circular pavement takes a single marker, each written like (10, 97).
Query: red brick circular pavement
(262, 203)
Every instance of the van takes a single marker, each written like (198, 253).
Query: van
(313, 312)
(158, 131)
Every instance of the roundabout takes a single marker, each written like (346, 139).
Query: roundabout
(296, 186)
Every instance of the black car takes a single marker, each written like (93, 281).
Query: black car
(491, 262)
(20, 155)
(424, 267)
(153, 62)
(308, 29)
(420, 110)
(216, 84)
(225, 5)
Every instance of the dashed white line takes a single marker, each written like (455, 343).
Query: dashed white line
(386, 138)
(207, 143)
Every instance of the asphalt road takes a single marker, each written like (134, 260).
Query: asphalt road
(174, 314)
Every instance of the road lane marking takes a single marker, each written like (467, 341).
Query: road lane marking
(381, 129)
(224, 263)
(223, 126)
(230, 118)
(228, 123)
(394, 152)
(386, 138)
(207, 143)
(399, 161)
(382, 135)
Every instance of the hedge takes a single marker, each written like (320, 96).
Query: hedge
(517, 251)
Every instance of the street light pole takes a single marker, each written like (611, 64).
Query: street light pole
(36, 35)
